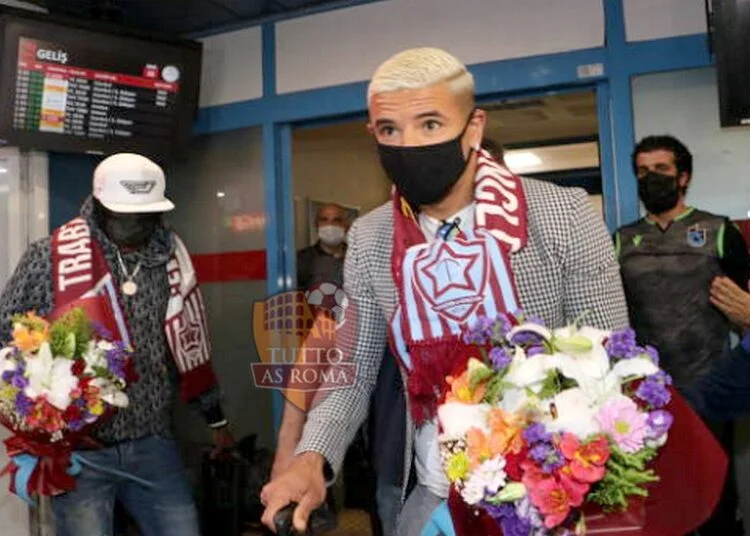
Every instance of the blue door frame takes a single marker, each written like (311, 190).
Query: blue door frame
(609, 69)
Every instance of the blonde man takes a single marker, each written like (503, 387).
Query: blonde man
(542, 244)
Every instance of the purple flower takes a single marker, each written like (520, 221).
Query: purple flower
(662, 377)
(116, 359)
(8, 376)
(527, 511)
(503, 326)
(480, 332)
(546, 455)
(505, 514)
(19, 380)
(536, 433)
(653, 353)
(76, 424)
(535, 350)
(500, 358)
(658, 423)
(621, 343)
(101, 332)
(653, 391)
(526, 338)
(23, 404)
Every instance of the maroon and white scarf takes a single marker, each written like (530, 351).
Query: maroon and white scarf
(444, 285)
(80, 271)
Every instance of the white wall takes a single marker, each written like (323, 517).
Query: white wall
(685, 104)
(346, 45)
(232, 67)
(335, 164)
(656, 19)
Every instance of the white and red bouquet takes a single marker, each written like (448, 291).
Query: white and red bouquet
(57, 380)
(557, 432)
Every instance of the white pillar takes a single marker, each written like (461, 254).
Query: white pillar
(14, 513)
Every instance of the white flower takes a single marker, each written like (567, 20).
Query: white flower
(493, 473)
(457, 418)
(527, 372)
(489, 478)
(110, 393)
(515, 400)
(657, 443)
(7, 363)
(50, 377)
(473, 491)
(574, 413)
(105, 346)
(94, 357)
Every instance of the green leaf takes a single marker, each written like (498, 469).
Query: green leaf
(101, 372)
(478, 376)
(495, 389)
(626, 477)
(73, 322)
(70, 346)
(551, 385)
(577, 344)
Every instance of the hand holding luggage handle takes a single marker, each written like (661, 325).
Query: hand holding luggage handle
(321, 520)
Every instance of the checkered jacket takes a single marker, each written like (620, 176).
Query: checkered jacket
(567, 268)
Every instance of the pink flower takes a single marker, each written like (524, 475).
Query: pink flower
(624, 422)
(555, 498)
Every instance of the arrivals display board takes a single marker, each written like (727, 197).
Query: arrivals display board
(78, 89)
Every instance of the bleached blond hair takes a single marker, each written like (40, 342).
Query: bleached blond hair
(418, 68)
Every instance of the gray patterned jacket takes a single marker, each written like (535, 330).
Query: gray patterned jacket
(568, 267)
(152, 396)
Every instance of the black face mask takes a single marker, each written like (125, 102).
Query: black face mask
(659, 193)
(425, 174)
(130, 232)
(127, 230)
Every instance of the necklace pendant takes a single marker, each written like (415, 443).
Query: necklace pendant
(129, 288)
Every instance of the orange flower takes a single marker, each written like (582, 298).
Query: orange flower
(587, 460)
(461, 391)
(30, 332)
(477, 447)
(506, 432)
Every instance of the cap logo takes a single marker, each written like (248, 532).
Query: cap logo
(138, 187)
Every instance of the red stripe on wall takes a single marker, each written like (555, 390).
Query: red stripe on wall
(231, 266)
(744, 226)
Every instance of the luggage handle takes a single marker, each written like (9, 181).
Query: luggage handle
(321, 520)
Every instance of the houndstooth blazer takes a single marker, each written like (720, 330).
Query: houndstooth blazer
(568, 267)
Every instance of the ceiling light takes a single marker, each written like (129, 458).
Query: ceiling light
(3, 170)
(521, 159)
(220, 194)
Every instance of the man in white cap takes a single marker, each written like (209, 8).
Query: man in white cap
(120, 248)
(462, 237)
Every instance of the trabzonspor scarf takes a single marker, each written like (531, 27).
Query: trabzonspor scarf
(444, 285)
(80, 271)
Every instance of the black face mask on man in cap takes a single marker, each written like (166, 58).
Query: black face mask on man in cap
(127, 230)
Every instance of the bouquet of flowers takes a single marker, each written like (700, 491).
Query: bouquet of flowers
(57, 379)
(544, 432)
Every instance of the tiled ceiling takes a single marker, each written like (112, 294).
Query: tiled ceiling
(180, 17)
(550, 118)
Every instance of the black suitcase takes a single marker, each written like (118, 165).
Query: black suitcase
(221, 495)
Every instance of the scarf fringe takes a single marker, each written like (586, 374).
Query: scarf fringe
(433, 361)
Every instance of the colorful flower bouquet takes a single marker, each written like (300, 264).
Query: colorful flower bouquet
(56, 381)
(552, 432)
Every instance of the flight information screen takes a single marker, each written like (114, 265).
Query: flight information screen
(78, 90)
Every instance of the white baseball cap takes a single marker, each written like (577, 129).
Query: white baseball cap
(129, 183)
